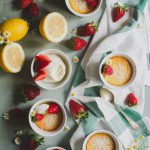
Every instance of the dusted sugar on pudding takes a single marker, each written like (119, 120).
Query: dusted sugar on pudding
(100, 141)
(117, 71)
(82, 6)
(50, 122)
(47, 116)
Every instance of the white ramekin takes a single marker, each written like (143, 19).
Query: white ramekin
(54, 148)
(133, 66)
(40, 131)
(117, 146)
(83, 15)
(52, 86)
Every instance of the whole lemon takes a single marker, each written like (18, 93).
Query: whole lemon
(17, 27)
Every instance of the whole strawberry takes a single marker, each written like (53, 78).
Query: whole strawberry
(107, 70)
(32, 144)
(118, 12)
(132, 100)
(30, 92)
(76, 43)
(31, 141)
(34, 9)
(77, 110)
(25, 3)
(88, 29)
(15, 114)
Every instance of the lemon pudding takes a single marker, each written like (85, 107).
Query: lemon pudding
(80, 6)
(47, 116)
(117, 71)
(100, 141)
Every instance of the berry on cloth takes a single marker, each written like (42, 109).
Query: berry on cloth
(77, 110)
(132, 100)
(118, 12)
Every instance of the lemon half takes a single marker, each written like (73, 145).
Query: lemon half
(53, 27)
(12, 57)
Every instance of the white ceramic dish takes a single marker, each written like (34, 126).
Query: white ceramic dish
(133, 66)
(102, 131)
(83, 15)
(40, 131)
(51, 86)
(54, 148)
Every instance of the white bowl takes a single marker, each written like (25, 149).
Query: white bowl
(102, 131)
(83, 15)
(51, 86)
(54, 148)
(43, 132)
(113, 86)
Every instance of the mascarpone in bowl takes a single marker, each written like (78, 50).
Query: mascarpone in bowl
(58, 71)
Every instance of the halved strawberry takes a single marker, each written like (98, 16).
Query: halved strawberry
(39, 117)
(40, 75)
(107, 70)
(25, 3)
(92, 3)
(42, 57)
(53, 108)
(77, 110)
(41, 62)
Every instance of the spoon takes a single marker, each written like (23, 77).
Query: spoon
(109, 96)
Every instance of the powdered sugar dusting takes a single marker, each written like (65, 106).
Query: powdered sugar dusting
(100, 141)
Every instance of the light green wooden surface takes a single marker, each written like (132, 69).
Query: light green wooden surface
(32, 44)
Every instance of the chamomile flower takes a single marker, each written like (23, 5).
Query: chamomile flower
(66, 128)
(1, 39)
(33, 113)
(17, 140)
(108, 62)
(75, 59)
(6, 34)
(73, 94)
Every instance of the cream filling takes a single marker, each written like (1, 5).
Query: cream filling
(41, 109)
(56, 70)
